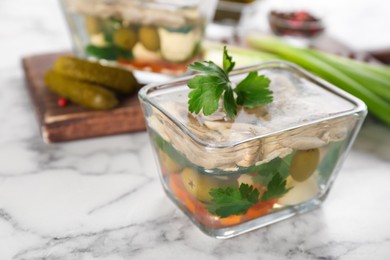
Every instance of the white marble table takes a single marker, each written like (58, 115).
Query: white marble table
(101, 198)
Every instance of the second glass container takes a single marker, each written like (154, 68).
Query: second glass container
(159, 36)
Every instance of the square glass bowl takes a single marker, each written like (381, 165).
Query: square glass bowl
(155, 36)
(268, 164)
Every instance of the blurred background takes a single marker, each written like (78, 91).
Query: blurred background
(27, 28)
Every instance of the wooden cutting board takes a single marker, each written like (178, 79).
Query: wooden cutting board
(72, 121)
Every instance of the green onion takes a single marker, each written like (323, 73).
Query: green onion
(379, 84)
(369, 83)
(242, 56)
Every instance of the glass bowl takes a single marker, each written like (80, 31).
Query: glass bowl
(158, 36)
(266, 165)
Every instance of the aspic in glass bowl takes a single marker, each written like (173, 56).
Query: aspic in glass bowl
(158, 36)
(266, 165)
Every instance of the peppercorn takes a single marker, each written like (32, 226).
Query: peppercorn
(62, 102)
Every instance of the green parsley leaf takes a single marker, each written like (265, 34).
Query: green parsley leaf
(232, 201)
(207, 89)
(209, 68)
(276, 188)
(266, 171)
(253, 91)
(249, 192)
(205, 94)
(228, 63)
(284, 169)
(229, 104)
(273, 175)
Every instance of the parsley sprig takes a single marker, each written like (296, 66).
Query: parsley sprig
(232, 201)
(276, 188)
(208, 88)
(236, 201)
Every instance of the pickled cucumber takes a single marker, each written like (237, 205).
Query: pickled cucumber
(149, 38)
(303, 164)
(120, 80)
(125, 38)
(86, 94)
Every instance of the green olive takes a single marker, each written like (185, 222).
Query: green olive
(149, 38)
(125, 38)
(199, 185)
(170, 165)
(92, 25)
(303, 164)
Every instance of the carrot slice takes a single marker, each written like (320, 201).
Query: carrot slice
(259, 209)
(177, 187)
(231, 220)
(179, 190)
(190, 205)
(200, 212)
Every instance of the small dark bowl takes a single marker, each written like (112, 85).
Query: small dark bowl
(296, 23)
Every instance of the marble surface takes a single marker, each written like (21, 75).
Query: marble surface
(101, 198)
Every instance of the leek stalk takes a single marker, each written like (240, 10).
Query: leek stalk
(369, 83)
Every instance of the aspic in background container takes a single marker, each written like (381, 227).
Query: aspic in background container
(233, 12)
(282, 157)
(159, 36)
